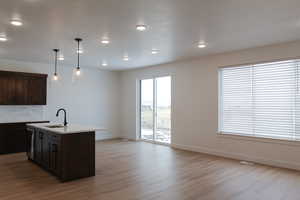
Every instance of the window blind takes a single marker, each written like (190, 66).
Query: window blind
(261, 100)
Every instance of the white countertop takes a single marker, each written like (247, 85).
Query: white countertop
(71, 128)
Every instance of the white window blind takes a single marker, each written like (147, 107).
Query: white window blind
(261, 100)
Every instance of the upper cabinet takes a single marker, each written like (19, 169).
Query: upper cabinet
(18, 88)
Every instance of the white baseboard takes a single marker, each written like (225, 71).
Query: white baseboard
(105, 136)
(110, 138)
(239, 156)
(129, 139)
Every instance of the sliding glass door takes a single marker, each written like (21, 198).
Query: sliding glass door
(155, 107)
(163, 109)
(147, 109)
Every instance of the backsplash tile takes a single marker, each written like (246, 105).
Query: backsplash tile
(21, 113)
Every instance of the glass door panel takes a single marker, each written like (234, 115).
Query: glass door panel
(163, 109)
(147, 109)
(155, 109)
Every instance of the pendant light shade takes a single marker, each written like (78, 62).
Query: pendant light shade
(55, 76)
(78, 40)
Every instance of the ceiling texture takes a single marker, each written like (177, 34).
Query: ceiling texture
(175, 27)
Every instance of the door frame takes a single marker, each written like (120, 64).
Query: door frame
(139, 110)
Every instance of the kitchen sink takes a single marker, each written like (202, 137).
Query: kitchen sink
(55, 126)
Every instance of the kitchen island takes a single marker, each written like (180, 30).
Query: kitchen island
(68, 152)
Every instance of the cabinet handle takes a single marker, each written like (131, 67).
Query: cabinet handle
(41, 135)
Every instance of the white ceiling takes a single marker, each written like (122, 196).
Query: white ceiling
(175, 28)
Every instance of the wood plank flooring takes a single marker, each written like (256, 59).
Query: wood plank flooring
(139, 170)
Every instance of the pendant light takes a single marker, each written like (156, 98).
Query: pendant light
(78, 40)
(55, 77)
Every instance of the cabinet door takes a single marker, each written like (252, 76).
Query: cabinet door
(4, 88)
(29, 134)
(2, 142)
(12, 139)
(46, 150)
(7, 90)
(20, 91)
(38, 157)
(54, 158)
(54, 155)
(13, 90)
(37, 91)
(18, 139)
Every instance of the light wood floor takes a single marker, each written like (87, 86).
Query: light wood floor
(139, 170)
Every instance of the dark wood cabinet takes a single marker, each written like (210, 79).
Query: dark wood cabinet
(38, 154)
(67, 156)
(13, 137)
(37, 90)
(54, 157)
(18, 88)
(46, 148)
(29, 142)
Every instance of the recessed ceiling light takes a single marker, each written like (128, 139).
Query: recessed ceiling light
(105, 41)
(16, 22)
(141, 27)
(61, 57)
(125, 58)
(104, 64)
(3, 38)
(154, 51)
(201, 45)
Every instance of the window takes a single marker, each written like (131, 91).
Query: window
(261, 100)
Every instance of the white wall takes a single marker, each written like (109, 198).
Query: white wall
(91, 99)
(195, 107)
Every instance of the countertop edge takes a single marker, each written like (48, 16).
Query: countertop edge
(25, 122)
(63, 132)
